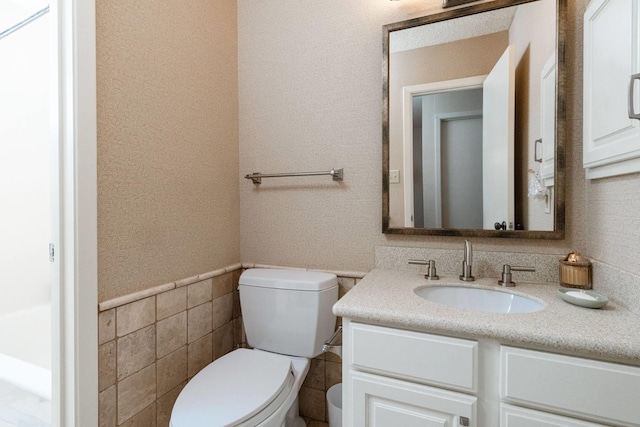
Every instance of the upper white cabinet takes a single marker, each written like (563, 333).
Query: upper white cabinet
(611, 96)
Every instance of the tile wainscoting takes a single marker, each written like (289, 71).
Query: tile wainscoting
(152, 342)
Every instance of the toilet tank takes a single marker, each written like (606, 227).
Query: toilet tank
(288, 311)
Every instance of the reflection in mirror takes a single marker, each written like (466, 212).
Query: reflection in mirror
(470, 134)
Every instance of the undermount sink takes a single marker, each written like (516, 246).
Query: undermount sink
(479, 299)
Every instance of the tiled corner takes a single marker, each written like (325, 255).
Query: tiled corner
(136, 315)
(172, 334)
(222, 310)
(165, 405)
(316, 375)
(108, 411)
(223, 340)
(312, 403)
(106, 326)
(333, 374)
(223, 285)
(106, 365)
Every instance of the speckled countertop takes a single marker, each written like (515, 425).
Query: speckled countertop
(386, 297)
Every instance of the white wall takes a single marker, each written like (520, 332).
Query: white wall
(24, 167)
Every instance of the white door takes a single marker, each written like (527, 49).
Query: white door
(611, 57)
(548, 120)
(497, 139)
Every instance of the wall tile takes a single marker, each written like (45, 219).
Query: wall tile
(136, 351)
(222, 310)
(315, 376)
(136, 393)
(333, 374)
(107, 410)
(172, 334)
(136, 315)
(239, 339)
(172, 371)
(312, 403)
(144, 418)
(223, 285)
(199, 322)
(199, 293)
(237, 310)
(106, 326)
(345, 285)
(171, 302)
(106, 365)
(165, 405)
(222, 340)
(200, 354)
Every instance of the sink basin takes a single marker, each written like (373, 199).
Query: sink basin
(479, 299)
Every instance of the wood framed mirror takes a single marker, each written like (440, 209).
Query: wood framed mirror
(474, 122)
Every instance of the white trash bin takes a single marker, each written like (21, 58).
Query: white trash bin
(334, 405)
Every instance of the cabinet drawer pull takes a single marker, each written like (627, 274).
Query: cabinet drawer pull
(632, 113)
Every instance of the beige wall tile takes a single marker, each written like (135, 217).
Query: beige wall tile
(333, 374)
(144, 418)
(106, 365)
(172, 371)
(236, 278)
(222, 340)
(200, 354)
(106, 326)
(237, 310)
(222, 285)
(316, 423)
(171, 302)
(222, 310)
(312, 403)
(136, 393)
(199, 293)
(315, 376)
(239, 339)
(165, 405)
(136, 350)
(107, 410)
(136, 315)
(172, 334)
(345, 285)
(199, 321)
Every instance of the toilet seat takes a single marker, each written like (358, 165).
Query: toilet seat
(241, 388)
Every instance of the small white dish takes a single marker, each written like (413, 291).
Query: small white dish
(583, 298)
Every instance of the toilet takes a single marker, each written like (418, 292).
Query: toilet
(287, 317)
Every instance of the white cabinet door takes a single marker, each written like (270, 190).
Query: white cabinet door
(611, 57)
(385, 402)
(512, 416)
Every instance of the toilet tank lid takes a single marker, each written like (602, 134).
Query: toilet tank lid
(301, 280)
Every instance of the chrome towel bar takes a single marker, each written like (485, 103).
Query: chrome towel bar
(256, 177)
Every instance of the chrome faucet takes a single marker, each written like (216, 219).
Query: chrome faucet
(466, 275)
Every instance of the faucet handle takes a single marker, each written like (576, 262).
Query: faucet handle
(505, 280)
(431, 268)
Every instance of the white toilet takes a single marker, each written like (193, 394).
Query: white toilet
(287, 317)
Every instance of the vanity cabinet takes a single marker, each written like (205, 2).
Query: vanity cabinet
(396, 377)
(611, 94)
(403, 378)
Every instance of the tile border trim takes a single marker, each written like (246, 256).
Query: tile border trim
(136, 296)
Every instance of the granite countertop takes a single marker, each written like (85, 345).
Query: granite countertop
(386, 297)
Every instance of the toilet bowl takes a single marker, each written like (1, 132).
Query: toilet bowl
(286, 310)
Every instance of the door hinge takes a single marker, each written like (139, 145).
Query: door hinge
(52, 252)
(464, 421)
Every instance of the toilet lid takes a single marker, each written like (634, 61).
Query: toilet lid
(238, 386)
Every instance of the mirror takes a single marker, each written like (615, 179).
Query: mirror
(473, 122)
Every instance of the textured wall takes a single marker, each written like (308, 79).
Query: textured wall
(310, 98)
(167, 141)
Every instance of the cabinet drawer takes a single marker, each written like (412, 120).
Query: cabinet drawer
(512, 416)
(385, 402)
(415, 356)
(601, 391)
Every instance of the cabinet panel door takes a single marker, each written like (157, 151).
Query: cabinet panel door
(611, 57)
(512, 416)
(385, 402)
(602, 391)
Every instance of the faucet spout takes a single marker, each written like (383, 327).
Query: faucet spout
(467, 263)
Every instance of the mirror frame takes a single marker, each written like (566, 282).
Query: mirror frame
(560, 128)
